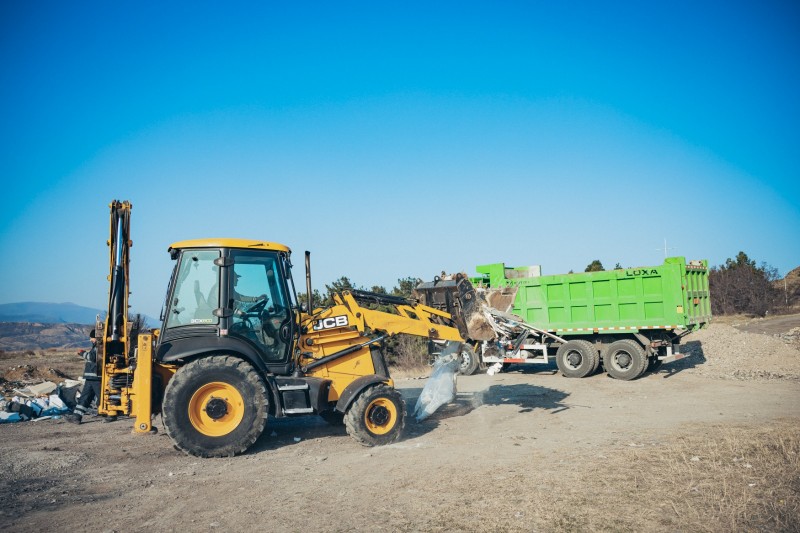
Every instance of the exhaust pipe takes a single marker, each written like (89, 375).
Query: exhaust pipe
(309, 294)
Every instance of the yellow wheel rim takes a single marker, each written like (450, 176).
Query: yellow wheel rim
(380, 417)
(216, 409)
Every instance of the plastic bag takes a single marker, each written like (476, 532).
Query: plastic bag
(441, 386)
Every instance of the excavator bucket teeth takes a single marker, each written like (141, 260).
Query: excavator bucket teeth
(458, 296)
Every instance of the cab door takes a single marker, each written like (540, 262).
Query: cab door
(258, 296)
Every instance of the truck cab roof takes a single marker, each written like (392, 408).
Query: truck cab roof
(229, 243)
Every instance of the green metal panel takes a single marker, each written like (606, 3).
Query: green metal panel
(672, 295)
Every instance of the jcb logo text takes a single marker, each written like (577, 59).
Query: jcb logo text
(332, 322)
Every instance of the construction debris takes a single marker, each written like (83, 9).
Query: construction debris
(441, 386)
(26, 396)
(33, 391)
(20, 409)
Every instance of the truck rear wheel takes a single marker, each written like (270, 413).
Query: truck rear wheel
(577, 359)
(468, 361)
(377, 416)
(625, 360)
(215, 407)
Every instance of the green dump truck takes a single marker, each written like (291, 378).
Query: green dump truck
(629, 320)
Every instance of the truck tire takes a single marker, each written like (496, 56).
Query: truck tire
(625, 359)
(577, 359)
(377, 416)
(215, 407)
(468, 361)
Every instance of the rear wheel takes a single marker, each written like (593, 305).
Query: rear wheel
(467, 361)
(377, 416)
(625, 360)
(577, 358)
(215, 407)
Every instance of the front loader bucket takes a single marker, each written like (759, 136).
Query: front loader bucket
(501, 299)
(458, 296)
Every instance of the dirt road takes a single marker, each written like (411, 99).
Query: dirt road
(771, 325)
(697, 446)
(511, 447)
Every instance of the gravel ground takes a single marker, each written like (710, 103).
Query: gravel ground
(723, 351)
(708, 443)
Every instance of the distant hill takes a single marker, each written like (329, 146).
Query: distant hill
(19, 336)
(48, 313)
(789, 287)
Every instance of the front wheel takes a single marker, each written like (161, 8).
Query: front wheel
(215, 407)
(377, 416)
(577, 359)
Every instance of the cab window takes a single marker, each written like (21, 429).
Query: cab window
(258, 300)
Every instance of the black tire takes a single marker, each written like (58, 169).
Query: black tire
(577, 358)
(215, 407)
(625, 360)
(334, 418)
(377, 416)
(596, 364)
(468, 361)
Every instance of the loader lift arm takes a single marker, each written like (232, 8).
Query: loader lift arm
(331, 332)
(405, 316)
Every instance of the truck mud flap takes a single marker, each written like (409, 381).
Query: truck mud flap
(673, 355)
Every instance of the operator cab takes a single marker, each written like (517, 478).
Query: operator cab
(233, 296)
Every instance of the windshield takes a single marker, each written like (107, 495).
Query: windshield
(196, 291)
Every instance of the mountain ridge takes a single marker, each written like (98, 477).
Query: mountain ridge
(52, 313)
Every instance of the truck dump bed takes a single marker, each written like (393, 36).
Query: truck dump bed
(670, 296)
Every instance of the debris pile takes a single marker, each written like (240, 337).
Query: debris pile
(31, 393)
(790, 337)
(31, 373)
(722, 351)
(36, 402)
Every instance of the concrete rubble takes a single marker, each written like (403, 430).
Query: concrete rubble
(40, 401)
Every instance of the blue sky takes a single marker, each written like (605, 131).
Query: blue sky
(395, 139)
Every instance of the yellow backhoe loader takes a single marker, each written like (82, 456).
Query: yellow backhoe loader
(236, 347)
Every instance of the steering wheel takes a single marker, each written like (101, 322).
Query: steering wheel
(257, 307)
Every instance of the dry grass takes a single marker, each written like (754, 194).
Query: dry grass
(719, 479)
(409, 357)
(734, 479)
(731, 319)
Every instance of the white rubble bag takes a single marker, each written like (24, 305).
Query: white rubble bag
(441, 386)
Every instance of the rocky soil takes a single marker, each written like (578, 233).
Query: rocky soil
(724, 351)
(710, 443)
